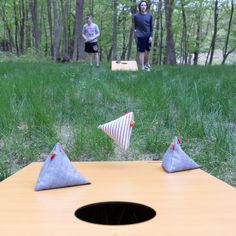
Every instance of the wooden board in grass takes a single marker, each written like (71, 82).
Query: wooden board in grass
(186, 203)
(124, 66)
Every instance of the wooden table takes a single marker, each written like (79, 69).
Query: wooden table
(124, 66)
(187, 203)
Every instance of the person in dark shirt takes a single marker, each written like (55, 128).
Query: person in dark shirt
(143, 31)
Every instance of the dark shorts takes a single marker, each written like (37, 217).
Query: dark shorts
(91, 47)
(143, 44)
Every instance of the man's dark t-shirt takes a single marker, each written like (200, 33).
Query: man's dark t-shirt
(143, 25)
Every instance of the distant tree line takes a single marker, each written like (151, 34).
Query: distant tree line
(183, 29)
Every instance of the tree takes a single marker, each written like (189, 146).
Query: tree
(78, 52)
(213, 40)
(184, 53)
(114, 35)
(50, 26)
(36, 31)
(7, 25)
(133, 10)
(123, 22)
(58, 27)
(170, 44)
(22, 15)
(91, 7)
(198, 16)
(16, 27)
(157, 42)
(225, 50)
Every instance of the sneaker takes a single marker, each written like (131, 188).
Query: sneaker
(147, 67)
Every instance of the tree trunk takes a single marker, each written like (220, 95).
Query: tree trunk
(114, 36)
(170, 44)
(91, 4)
(78, 52)
(225, 49)
(7, 25)
(49, 8)
(109, 54)
(101, 29)
(184, 56)
(28, 31)
(47, 46)
(36, 31)
(41, 27)
(65, 34)
(58, 28)
(197, 44)
(133, 10)
(22, 26)
(124, 48)
(213, 41)
(16, 28)
(56, 52)
(156, 36)
(161, 34)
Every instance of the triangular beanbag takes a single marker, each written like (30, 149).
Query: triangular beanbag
(175, 159)
(58, 171)
(120, 129)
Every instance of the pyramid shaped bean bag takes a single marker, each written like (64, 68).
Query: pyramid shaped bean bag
(175, 159)
(120, 129)
(58, 171)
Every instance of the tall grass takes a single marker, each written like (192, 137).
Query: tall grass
(43, 103)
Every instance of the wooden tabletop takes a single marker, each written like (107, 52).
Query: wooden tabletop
(186, 203)
(124, 66)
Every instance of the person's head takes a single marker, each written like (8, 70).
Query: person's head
(89, 19)
(142, 6)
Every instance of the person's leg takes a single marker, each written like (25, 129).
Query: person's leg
(141, 51)
(147, 54)
(141, 59)
(97, 59)
(147, 58)
(90, 59)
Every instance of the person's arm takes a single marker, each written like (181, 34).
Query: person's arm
(95, 36)
(151, 26)
(151, 30)
(83, 34)
(134, 24)
(97, 31)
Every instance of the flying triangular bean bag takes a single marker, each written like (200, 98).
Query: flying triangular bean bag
(58, 171)
(175, 159)
(120, 129)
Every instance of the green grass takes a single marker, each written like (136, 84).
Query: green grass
(42, 103)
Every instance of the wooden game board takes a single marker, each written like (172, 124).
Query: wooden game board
(186, 203)
(124, 66)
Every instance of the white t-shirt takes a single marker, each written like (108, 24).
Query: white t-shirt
(90, 31)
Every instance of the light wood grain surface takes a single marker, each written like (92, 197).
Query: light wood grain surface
(124, 66)
(187, 203)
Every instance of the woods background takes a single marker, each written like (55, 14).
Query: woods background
(185, 32)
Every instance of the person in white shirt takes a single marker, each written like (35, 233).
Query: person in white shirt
(90, 34)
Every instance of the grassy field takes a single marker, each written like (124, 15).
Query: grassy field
(43, 103)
